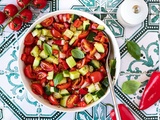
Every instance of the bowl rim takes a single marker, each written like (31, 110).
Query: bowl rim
(21, 64)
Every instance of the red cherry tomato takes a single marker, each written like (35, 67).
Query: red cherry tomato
(83, 34)
(24, 57)
(27, 50)
(40, 4)
(53, 100)
(86, 45)
(10, 10)
(22, 3)
(29, 39)
(37, 88)
(41, 75)
(60, 27)
(82, 104)
(55, 33)
(30, 59)
(96, 76)
(46, 66)
(26, 15)
(47, 22)
(28, 71)
(15, 24)
(77, 23)
(64, 86)
(2, 17)
(37, 69)
(72, 100)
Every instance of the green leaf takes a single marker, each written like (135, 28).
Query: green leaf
(47, 48)
(130, 86)
(134, 49)
(58, 78)
(77, 53)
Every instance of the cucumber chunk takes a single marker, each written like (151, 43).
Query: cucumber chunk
(35, 51)
(84, 70)
(91, 36)
(38, 26)
(74, 75)
(52, 59)
(91, 88)
(66, 73)
(68, 33)
(99, 47)
(64, 92)
(50, 75)
(100, 27)
(64, 80)
(43, 54)
(36, 61)
(57, 95)
(63, 100)
(86, 25)
(88, 98)
(95, 64)
(74, 17)
(71, 62)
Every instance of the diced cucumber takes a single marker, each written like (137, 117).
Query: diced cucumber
(91, 36)
(74, 17)
(100, 27)
(72, 28)
(36, 32)
(64, 80)
(35, 51)
(64, 92)
(97, 86)
(53, 89)
(105, 82)
(95, 98)
(43, 54)
(50, 75)
(71, 62)
(86, 25)
(49, 34)
(45, 32)
(52, 59)
(91, 88)
(112, 65)
(84, 70)
(38, 26)
(72, 40)
(99, 47)
(100, 93)
(36, 61)
(68, 33)
(55, 47)
(95, 63)
(63, 101)
(88, 98)
(65, 73)
(39, 43)
(74, 75)
(47, 89)
(80, 27)
(91, 69)
(77, 33)
(57, 95)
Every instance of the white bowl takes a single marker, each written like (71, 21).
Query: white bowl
(115, 53)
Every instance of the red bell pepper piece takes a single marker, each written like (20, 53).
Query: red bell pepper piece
(124, 113)
(151, 92)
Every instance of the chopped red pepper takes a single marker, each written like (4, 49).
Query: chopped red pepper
(77, 23)
(151, 91)
(124, 113)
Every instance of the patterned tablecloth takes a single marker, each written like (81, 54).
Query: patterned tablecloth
(16, 103)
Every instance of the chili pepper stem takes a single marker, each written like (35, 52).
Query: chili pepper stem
(108, 104)
(17, 14)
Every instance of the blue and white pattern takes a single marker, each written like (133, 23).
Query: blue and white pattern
(16, 102)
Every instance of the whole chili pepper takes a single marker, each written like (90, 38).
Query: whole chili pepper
(124, 113)
(151, 92)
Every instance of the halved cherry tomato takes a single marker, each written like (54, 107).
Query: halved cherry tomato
(65, 47)
(30, 59)
(10, 10)
(15, 24)
(66, 25)
(64, 85)
(82, 62)
(46, 66)
(58, 26)
(41, 75)
(28, 71)
(60, 18)
(37, 88)
(24, 57)
(83, 91)
(86, 46)
(37, 69)
(72, 101)
(27, 50)
(53, 100)
(96, 76)
(82, 104)
(55, 33)
(83, 34)
(64, 65)
(76, 84)
(47, 22)
(29, 39)
(77, 23)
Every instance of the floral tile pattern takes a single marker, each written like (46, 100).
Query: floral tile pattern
(15, 100)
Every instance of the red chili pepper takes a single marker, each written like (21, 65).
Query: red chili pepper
(151, 92)
(124, 113)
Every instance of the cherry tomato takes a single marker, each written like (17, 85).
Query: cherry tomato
(24, 57)
(64, 85)
(72, 101)
(96, 76)
(10, 10)
(77, 23)
(47, 22)
(37, 69)
(22, 3)
(60, 18)
(58, 26)
(15, 24)
(26, 15)
(76, 84)
(83, 34)
(65, 47)
(94, 25)
(53, 100)
(55, 33)
(46, 66)
(40, 4)
(28, 71)
(37, 88)
(86, 45)
(41, 75)
(51, 83)
(29, 59)
(64, 65)
(2, 17)
(29, 39)
(27, 50)
(82, 62)
(82, 104)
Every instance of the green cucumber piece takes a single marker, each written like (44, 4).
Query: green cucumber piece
(88, 98)
(95, 98)
(57, 95)
(35, 51)
(86, 25)
(112, 65)
(71, 62)
(66, 73)
(97, 86)
(100, 27)
(105, 82)
(84, 70)
(91, 36)
(43, 54)
(68, 33)
(45, 32)
(95, 64)
(63, 100)
(74, 17)
(91, 88)
(77, 33)
(50, 75)
(38, 26)
(91, 69)
(36, 32)
(36, 61)
(52, 59)
(73, 40)
(53, 89)
(72, 28)
(39, 43)
(64, 92)
(99, 47)
(47, 89)
(100, 93)
(55, 47)
(74, 75)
